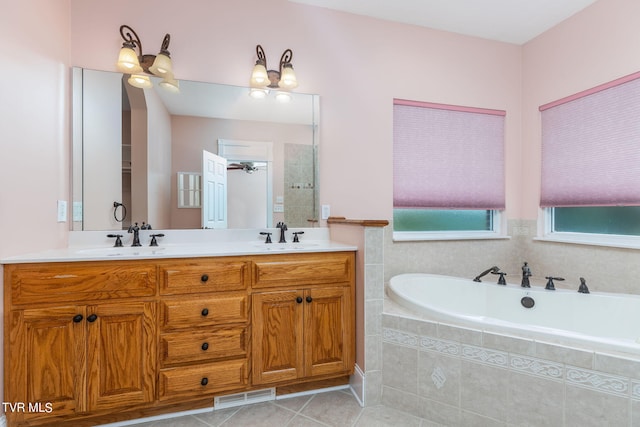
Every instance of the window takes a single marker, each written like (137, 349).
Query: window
(591, 162)
(448, 178)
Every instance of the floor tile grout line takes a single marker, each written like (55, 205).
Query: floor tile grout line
(223, 421)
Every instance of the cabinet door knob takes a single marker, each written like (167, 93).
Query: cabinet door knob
(77, 318)
(205, 346)
(205, 311)
(204, 277)
(299, 300)
(309, 299)
(92, 318)
(204, 381)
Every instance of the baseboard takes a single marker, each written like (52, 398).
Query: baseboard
(357, 385)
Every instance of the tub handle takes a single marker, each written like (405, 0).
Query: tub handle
(550, 286)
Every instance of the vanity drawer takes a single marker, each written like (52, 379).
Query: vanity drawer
(205, 275)
(303, 269)
(201, 345)
(203, 379)
(197, 312)
(79, 281)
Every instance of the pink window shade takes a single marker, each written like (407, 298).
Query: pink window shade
(447, 157)
(591, 147)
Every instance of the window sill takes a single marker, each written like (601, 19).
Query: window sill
(626, 242)
(413, 236)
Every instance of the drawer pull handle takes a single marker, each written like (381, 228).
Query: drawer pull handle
(204, 277)
(205, 346)
(309, 299)
(204, 381)
(77, 318)
(92, 318)
(205, 311)
(299, 300)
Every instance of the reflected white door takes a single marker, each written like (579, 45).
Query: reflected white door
(214, 191)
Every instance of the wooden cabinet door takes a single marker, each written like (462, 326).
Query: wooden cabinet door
(46, 361)
(277, 336)
(121, 359)
(329, 342)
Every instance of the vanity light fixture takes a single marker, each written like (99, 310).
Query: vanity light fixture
(262, 79)
(138, 66)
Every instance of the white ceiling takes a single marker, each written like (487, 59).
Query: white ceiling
(511, 21)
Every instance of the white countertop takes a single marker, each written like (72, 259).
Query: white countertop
(95, 246)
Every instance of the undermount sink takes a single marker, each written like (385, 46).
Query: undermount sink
(123, 251)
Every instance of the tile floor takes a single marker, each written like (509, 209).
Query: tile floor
(333, 408)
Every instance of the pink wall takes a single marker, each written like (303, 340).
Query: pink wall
(34, 119)
(595, 46)
(357, 65)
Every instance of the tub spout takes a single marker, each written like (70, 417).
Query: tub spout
(583, 289)
(493, 269)
(526, 273)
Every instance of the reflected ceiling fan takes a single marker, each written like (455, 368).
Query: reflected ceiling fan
(248, 167)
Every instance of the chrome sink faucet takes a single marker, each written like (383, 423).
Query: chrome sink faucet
(283, 227)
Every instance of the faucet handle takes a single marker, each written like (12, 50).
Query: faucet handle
(295, 236)
(501, 280)
(268, 239)
(583, 289)
(118, 238)
(154, 242)
(550, 286)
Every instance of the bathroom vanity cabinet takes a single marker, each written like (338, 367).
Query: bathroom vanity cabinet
(100, 341)
(79, 338)
(204, 324)
(302, 318)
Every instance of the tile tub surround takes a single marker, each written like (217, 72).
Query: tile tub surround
(457, 377)
(607, 269)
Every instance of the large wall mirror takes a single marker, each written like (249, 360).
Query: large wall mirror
(138, 154)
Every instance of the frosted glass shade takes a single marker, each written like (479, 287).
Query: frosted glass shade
(258, 93)
(170, 84)
(161, 65)
(128, 61)
(140, 80)
(283, 96)
(288, 79)
(259, 76)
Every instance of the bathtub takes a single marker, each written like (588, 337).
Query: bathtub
(597, 321)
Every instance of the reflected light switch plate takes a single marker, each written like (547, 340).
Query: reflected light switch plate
(326, 211)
